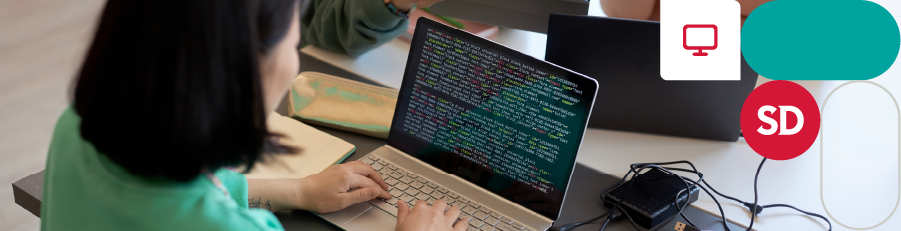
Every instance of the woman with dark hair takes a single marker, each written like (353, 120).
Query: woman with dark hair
(171, 94)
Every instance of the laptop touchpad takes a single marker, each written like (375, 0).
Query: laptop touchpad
(373, 219)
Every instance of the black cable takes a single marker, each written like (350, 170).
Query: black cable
(631, 220)
(723, 195)
(576, 224)
(637, 172)
(636, 169)
(750, 206)
(755, 211)
(680, 209)
(616, 206)
(701, 177)
(687, 187)
(605, 224)
(686, 219)
(802, 211)
(667, 170)
(620, 201)
(615, 214)
(718, 205)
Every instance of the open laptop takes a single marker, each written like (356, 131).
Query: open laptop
(624, 57)
(491, 130)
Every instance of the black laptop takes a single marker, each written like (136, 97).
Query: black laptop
(624, 57)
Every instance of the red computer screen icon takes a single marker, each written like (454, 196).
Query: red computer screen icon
(699, 48)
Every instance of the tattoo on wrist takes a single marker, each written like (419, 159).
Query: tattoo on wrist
(258, 203)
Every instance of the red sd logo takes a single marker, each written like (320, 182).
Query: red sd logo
(780, 120)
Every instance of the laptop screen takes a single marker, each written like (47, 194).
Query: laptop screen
(498, 118)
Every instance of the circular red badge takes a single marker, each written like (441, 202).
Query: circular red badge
(780, 120)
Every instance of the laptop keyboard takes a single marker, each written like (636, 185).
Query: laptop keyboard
(411, 187)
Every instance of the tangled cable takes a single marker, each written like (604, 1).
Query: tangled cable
(635, 169)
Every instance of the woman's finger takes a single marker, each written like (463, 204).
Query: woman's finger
(421, 204)
(362, 182)
(357, 196)
(421, 207)
(452, 214)
(440, 205)
(364, 169)
(461, 226)
(402, 211)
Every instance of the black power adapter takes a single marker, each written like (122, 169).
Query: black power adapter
(651, 199)
(658, 195)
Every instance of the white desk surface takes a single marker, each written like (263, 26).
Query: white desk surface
(861, 164)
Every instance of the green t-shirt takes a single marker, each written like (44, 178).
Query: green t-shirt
(84, 190)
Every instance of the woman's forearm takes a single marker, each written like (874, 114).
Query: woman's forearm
(749, 5)
(650, 9)
(273, 194)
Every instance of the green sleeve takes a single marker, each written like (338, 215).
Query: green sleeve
(351, 27)
(236, 184)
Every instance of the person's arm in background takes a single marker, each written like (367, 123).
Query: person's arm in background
(354, 27)
(650, 9)
(632, 9)
(749, 5)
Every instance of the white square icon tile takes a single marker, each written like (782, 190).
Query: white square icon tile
(700, 40)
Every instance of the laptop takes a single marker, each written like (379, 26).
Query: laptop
(623, 56)
(490, 130)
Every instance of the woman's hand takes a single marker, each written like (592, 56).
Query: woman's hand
(328, 191)
(428, 218)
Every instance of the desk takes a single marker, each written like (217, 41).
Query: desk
(730, 167)
(865, 165)
(582, 201)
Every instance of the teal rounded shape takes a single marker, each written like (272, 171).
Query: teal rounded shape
(820, 40)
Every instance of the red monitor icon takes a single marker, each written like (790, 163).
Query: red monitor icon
(702, 47)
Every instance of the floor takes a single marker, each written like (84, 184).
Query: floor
(41, 46)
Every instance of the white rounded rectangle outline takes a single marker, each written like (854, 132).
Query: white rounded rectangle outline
(823, 138)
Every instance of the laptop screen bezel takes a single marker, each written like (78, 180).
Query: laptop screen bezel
(587, 84)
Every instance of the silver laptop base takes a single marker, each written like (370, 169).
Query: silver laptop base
(412, 180)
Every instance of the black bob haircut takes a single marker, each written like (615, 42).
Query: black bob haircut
(172, 88)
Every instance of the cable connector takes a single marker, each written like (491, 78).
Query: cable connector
(751, 208)
(612, 214)
(684, 227)
(615, 213)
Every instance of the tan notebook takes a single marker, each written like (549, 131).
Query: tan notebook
(316, 150)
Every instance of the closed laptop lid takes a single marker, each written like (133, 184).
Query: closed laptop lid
(505, 121)
(624, 57)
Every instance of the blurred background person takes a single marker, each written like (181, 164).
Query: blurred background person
(354, 27)
(650, 9)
